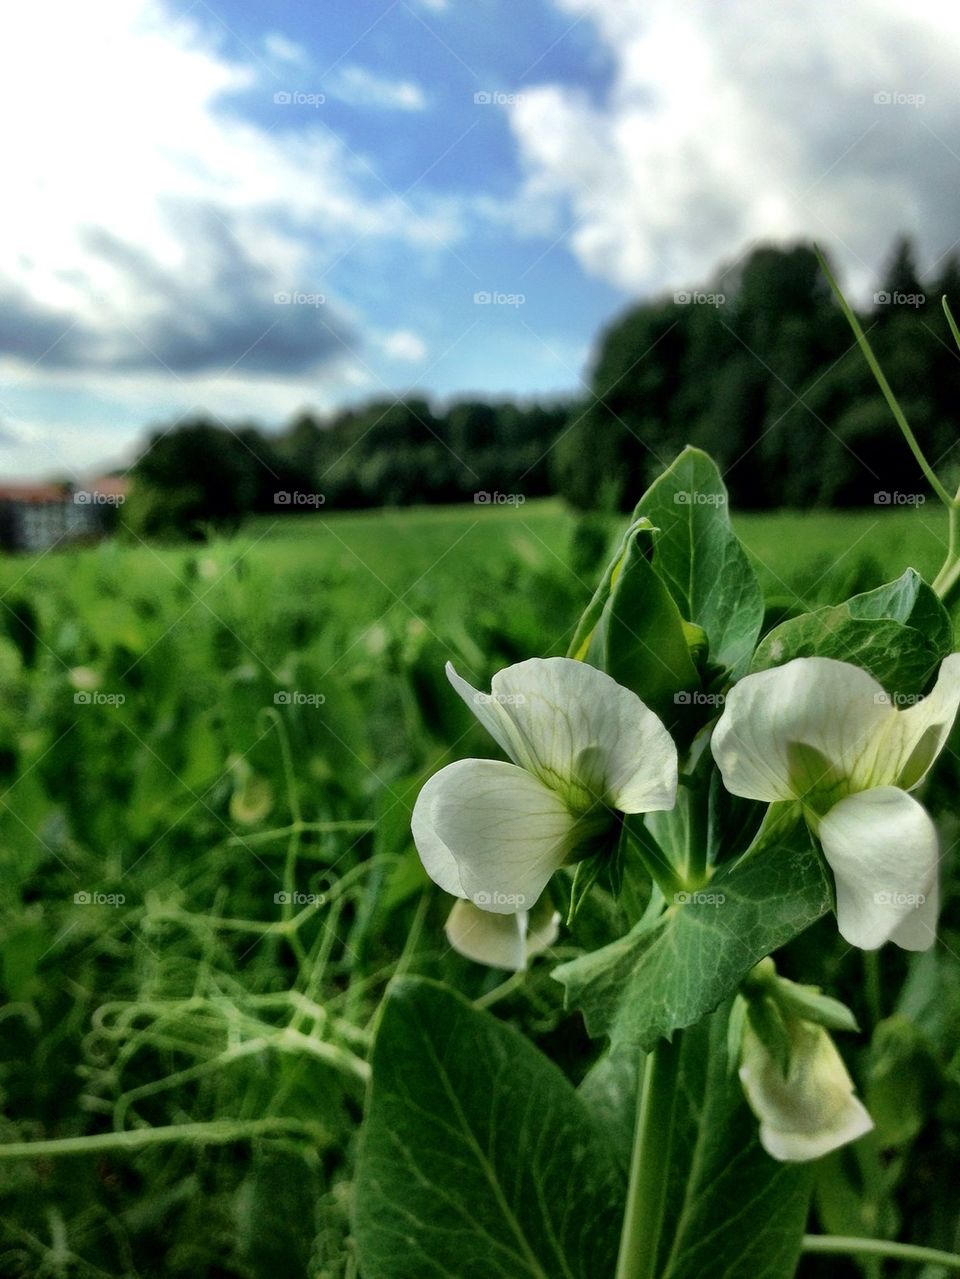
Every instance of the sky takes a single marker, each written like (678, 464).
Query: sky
(246, 210)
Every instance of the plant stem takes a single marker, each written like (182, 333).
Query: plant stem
(842, 1245)
(216, 1132)
(946, 579)
(892, 402)
(698, 835)
(650, 1162)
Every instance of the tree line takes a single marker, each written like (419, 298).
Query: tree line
(757, 366)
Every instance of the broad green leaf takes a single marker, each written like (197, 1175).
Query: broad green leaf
(731, 1209)
(641, 639)
(609, 1090)
(899, 633)
(478, 1158)
(668, 973)
(699, 557)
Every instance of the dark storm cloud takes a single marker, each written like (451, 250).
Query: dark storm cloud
(221, 309)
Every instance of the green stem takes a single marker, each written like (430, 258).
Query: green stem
(873, 985)
(216, 1132)
(946, 579)
(698, 817)
(894, 406)
(843, 1245)
(650, 1162)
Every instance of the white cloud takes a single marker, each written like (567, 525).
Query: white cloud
(281, 49)
(360, 87)
(727, 123)
(146, 226)
(404, 345)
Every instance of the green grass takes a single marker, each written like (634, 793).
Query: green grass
(197, 796)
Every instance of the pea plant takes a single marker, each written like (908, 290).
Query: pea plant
(679, 798)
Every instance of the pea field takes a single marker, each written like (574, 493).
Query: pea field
(208, 758)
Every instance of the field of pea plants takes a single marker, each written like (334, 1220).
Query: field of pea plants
(209, 758)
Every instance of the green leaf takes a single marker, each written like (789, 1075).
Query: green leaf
(478, 1159)
(668, 973)
(641, 639)
(700, 559)
(609, 1090)
(590, 617)
(731, 1209)
(899, 632)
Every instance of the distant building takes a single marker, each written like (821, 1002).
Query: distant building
(37, 517)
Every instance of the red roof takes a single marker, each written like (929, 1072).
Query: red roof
(114, 485)
(17, 492)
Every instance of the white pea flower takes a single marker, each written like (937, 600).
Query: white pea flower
(825, 733)
(502, 941)
(812, 1109)
(584, 750)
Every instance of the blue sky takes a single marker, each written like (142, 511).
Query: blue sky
(249, 209)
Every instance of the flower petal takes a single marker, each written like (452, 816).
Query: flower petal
(918, 734)
(487, 711)
(506, 832)
(812, 1110)
(438, 861)
(805, 726)
(495, 940)
(580, 732)
(882, 848)
(543, 927)
(502, 941)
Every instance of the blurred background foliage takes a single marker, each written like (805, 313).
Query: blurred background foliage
(757, 367)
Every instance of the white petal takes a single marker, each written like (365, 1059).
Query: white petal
(506, 832)
(882, 848)
(791, 730)
(487, 711)
(580, 732)
(496, 940)
(502, 941)
(438, 861)
(918, 930)
(918, 734)
(543, 927)
(812, 1110)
